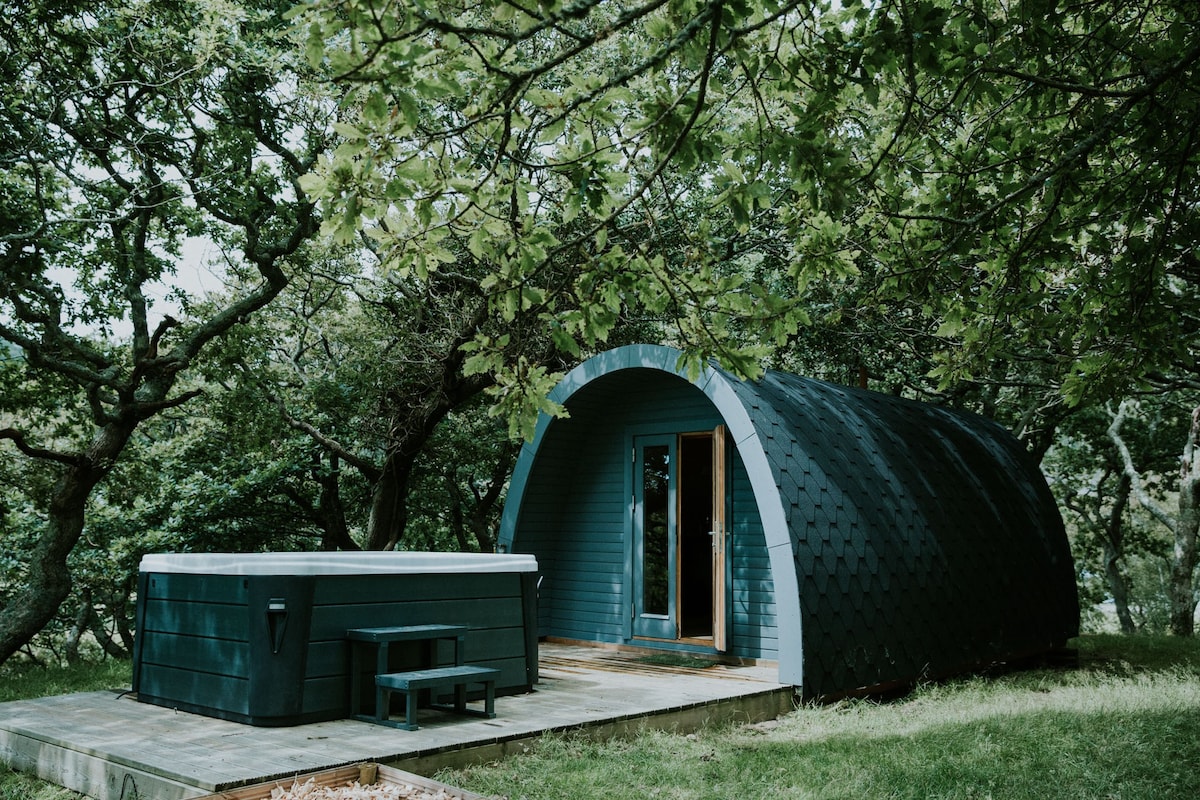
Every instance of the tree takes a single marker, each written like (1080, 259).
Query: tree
(362, 368)
(460, 482)
(1112, 534)
(1044, 199)
(553, 149)
(231, 477)
(1015, 175)
(132, 128)
(370, 365)
(1183, 523)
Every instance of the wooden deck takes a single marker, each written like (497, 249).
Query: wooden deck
(111, 747)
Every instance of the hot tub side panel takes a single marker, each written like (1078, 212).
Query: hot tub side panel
(193, 643)
(232, 647)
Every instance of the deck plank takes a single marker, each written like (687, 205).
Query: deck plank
(104, 743)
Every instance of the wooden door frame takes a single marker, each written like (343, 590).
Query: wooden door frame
(721, 568)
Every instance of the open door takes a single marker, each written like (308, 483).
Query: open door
(679, 538)
(719, 540)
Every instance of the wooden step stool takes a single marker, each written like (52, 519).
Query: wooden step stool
(412, 682)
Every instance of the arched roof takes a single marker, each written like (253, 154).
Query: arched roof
(904, 539)
(717, 386)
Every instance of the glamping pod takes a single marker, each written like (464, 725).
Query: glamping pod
(858, 539)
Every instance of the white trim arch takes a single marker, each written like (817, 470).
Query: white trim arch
(717, 387)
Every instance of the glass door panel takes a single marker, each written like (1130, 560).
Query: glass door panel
(654, 537)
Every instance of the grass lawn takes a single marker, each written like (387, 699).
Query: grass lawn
(1124, 725)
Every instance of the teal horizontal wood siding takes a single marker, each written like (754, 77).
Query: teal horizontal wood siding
(575, 512)
(754, 633)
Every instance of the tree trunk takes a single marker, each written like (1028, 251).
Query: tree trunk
(389, 496)
(1113, 551)
(1183, 560)
(482, 515)
(456, 517)
(106, 641)
(121, 619)
(331, 513)
(48, 581)
(1182, 524)
(389, 503)
(78, 628)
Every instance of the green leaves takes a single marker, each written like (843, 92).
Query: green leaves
(521, 391)
(554, 152)
(604, 164)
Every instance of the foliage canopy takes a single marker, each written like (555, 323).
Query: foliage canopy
(993, 202)
(132, 128)
(1017, 175)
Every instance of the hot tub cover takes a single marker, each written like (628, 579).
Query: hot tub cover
(342, 563)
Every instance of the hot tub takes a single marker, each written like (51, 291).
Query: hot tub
(261, 638)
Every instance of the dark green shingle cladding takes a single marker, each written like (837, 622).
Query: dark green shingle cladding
(872, 540)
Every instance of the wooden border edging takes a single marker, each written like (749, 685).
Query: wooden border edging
(746, 709)
(368, 773)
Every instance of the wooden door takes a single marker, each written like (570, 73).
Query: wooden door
(720, 533)
(680, 538)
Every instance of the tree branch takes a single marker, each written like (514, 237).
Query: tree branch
(369, 470)
(1135, 479)
(42, 453)
(145, 410)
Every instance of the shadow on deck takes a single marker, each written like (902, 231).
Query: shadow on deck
(111, 747)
